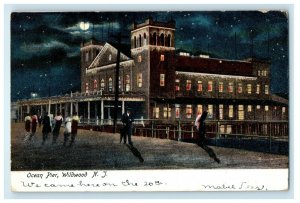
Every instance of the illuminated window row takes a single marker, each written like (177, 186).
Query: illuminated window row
(109, 83)
(186, 111)
(210, 87)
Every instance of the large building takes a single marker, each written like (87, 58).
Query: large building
(159, 83)
(180, 86)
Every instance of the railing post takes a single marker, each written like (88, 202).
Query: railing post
(179, 131)
(218, 132)
(270, 137)
(152, 128)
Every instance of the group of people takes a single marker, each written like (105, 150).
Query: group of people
(30, 126)
(71, 126)
(51, 126)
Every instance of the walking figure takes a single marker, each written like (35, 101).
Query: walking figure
(46, 127)
(74, 127)
(127, 119)
(200, 123)
(58, 119)
(40, 120)
(67, 131)
(27, 127)
(34, 122)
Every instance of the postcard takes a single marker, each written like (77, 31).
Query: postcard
(150, 101)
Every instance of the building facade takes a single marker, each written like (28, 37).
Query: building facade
(158, 83)
(180, 86)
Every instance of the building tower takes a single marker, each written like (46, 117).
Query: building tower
(89, 51)
(153, 51)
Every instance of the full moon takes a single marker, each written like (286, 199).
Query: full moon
(84, 26)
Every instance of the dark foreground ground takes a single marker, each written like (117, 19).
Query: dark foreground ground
(99, 150)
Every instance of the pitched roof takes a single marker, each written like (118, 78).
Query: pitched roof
(102, 59)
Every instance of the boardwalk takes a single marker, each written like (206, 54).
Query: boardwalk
(99, 150)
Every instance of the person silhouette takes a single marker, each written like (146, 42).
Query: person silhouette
(127, 119)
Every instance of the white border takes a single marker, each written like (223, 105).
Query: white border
(73, 7)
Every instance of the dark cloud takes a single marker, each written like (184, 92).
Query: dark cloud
(49, 43)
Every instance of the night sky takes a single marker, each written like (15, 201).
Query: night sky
(45, 47)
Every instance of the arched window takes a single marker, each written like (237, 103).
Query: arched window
(134, 42)
(95, 85)
(102, 84)
(91, 55)
(140, 40)
(162, 40)
(110, 84)
(168, 40)
(154, 39)
(145, 39)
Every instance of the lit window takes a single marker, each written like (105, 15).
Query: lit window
(167, 112)
(102, 84)
(156, 112)
(221, 108)
(120, 84)
(249, 88)
(189, 111)
(199, 109)
(258, 72)
(210, 110)
(283, 109)
(264, 73)
(139, 79)
(177, 110)
(210, 86)
(127, 83)
(241, 112)
(162, 57)
(257, 89)
(230, 113)
(95, 85)
(177, 85)
(162, 80)
(110, 84)
(249, 108)
(266, 89)
(188, 85)
(109, 57)
(87, 87)
(240, 88)
(258, 107)
(220, 86)
(139, 58)
(266, 108)
(199, 86)
(230, 87)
